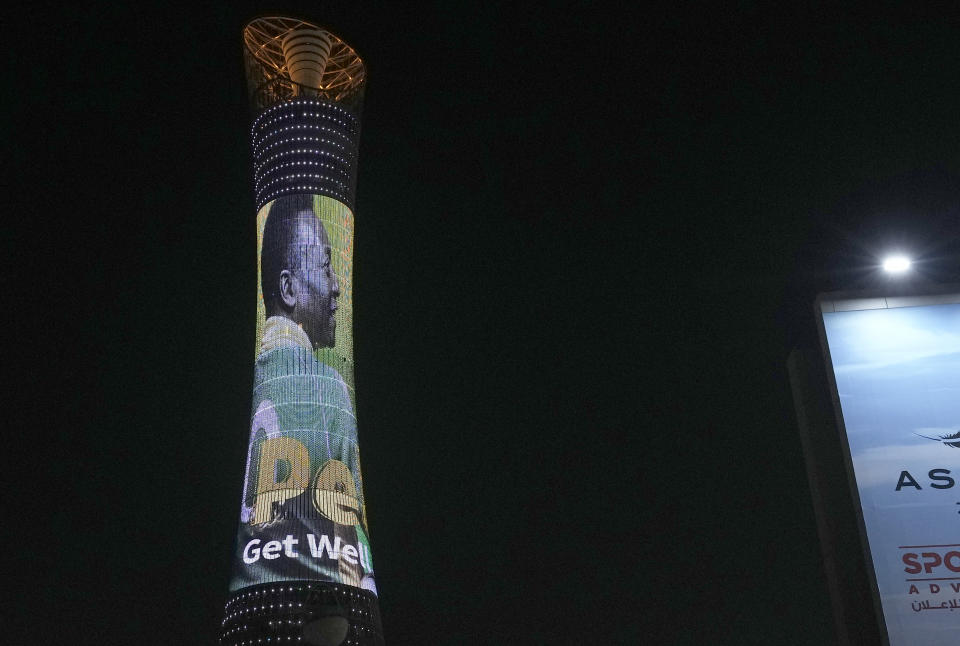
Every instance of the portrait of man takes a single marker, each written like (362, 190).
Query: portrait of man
(303, 471)
(299, 286)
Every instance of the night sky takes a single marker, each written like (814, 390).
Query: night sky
(586, 242)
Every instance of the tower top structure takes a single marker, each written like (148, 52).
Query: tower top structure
(286, 58)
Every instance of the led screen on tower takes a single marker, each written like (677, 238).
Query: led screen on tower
(302, 516)
(896, 370)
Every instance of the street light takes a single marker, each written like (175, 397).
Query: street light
(896, 264)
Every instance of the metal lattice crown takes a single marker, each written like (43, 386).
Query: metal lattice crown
(287, 58)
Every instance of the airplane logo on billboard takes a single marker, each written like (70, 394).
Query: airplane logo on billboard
(952, 440)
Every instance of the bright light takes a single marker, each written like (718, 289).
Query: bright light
(896, 264)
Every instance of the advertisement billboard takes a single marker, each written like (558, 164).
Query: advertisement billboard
(302, 515)
(895, 371)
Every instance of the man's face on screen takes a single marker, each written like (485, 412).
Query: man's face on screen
(318, 287)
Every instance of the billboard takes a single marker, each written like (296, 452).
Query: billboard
(896, 385)
(302, 514)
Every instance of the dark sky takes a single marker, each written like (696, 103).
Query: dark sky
(586, 242)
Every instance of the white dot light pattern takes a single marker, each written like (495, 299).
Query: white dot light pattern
(305, 146)
(271, 613)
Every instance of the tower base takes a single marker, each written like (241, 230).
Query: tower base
(308, 613)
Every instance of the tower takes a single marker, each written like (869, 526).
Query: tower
(303, 570)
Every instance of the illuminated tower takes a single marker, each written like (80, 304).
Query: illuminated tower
(303, 569)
